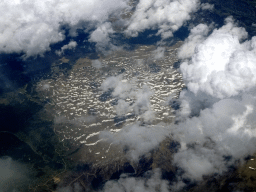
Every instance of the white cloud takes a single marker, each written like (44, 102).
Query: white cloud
(196, 36)
(221, 66)
(70, 45)
(152, 184)
(30, 26)
(217, 114)
(165, 15)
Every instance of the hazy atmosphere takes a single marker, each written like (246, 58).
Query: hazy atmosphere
(127, 95)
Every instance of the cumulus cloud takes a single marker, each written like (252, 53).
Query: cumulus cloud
(165, 15)
(196, 36)
(13, 175)
(71, 45)
(222, 65)
(151, 182)
(225, 129)
(218, 108)
(30, 26)
(101, 36)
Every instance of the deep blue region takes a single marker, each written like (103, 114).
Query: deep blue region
(175, 104)
(119, 120)
(248, 158)
(121, 71)
(169, 175)
(97, 183)
(84, 47)
(227, 158)
(182, 33)
(114, 102)
(126, 168)
(238, 7)
(12, 74)
(55, 165)
(213, 184)
(241, 10)
(207, 16)
(144, 166)
(189, 184)
(82, 168)
(15, 72)
(147, 37)
(177, 64)
(230, 185)
(13, 147)
(174, 146)
(16, 117)
(106, 95)
(65, 66)
(81, 38)
(41, 65)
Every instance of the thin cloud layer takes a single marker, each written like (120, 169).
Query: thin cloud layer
(137, 140)
(13, 175)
